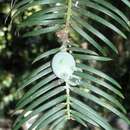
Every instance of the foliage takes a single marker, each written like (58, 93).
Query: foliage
(55, 99)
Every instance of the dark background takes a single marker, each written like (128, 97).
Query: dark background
(17, 54)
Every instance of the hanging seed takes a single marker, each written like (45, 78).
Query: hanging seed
(62, 65)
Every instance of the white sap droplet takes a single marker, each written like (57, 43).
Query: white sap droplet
(76, 4)
(58, 4)
(63, 65)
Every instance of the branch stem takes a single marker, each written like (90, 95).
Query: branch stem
(69, 13)
(68, 101)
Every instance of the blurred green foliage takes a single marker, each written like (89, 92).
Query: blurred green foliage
(16, 55)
